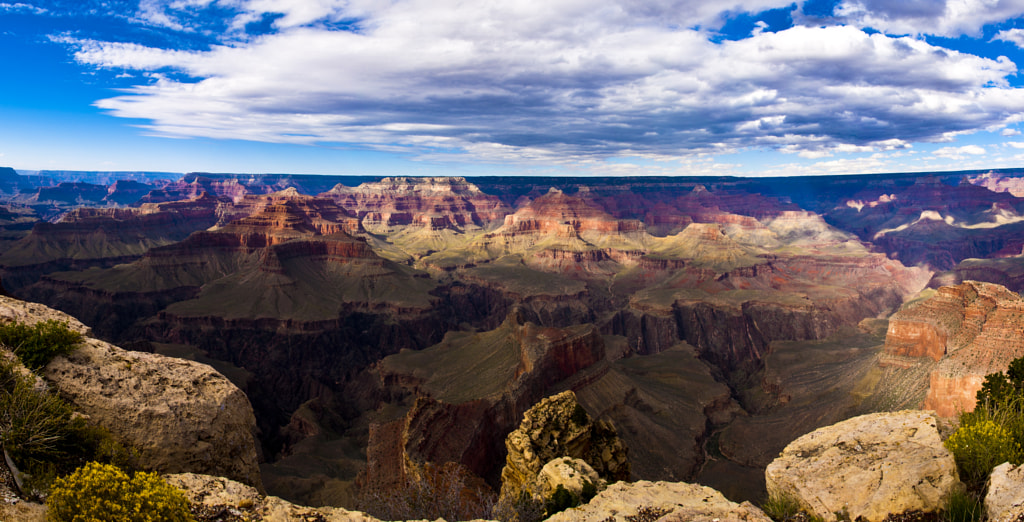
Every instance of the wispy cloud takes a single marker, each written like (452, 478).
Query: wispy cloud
(958, 153)
(21, 8)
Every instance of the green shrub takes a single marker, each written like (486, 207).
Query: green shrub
(961, 506)
(38, 344)
(32, 421)
(560, 500)
(589, 491)
(994, 432)
(98, 492)
(980, 446)
(785, 508)
(780, 507)
(44, 436)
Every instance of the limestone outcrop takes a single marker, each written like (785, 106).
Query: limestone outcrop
(971, 329)
(573, 475)
(663, 501)
(867, 466)
(1004, 501)
(217, 498)
(179, 415)
(559, 427)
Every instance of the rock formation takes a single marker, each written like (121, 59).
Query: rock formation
(214, 498)
(573, 475)
(562, 233)
(661, 501)
(972, 329)
(433, 203)
(867, 466)
(559, 427)
(90, 237)
(469, 392)
(930, 222)
(178, 415)
(1004, 500)
(70, 193)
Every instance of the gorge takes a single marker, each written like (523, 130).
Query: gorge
(711, 321)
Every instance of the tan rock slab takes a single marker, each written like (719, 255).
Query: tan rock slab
(663, 501)
(867, 466)
(1005, 498)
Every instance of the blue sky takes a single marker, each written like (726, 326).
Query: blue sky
(545, 87)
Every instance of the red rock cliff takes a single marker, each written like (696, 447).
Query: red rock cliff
(971, 329)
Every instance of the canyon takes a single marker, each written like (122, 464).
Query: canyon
(375, 321)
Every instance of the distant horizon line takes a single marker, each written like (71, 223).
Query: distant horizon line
(40, 172)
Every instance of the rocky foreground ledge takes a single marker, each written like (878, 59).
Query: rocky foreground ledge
(189, 422)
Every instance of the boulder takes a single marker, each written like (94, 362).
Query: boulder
(559, 427)
(178, 415)
(569, 473)
(1005, 498)
(664, 501)
(867, 466)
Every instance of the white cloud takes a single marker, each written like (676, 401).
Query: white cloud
(1016, 144)
(1010, 132)
(959, 153)
(22, 8)
(556, 80)
(938, 17)
(1014, 36)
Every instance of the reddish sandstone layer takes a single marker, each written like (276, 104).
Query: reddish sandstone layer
(946, 322)
(563, 215)
(188, 188)
(972, 329)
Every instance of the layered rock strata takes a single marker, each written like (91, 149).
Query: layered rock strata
(971, 329)
(91, 237)
(433, 203)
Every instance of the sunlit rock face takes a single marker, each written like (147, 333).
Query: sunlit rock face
(971, 329)
(174, 415)
(868, 466)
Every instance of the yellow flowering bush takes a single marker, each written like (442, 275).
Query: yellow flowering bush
(980, 446)
(103, 493)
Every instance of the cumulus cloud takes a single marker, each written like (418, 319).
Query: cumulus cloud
(1014, 36)
(938, 17)
(1010, 132)
(555, 80)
